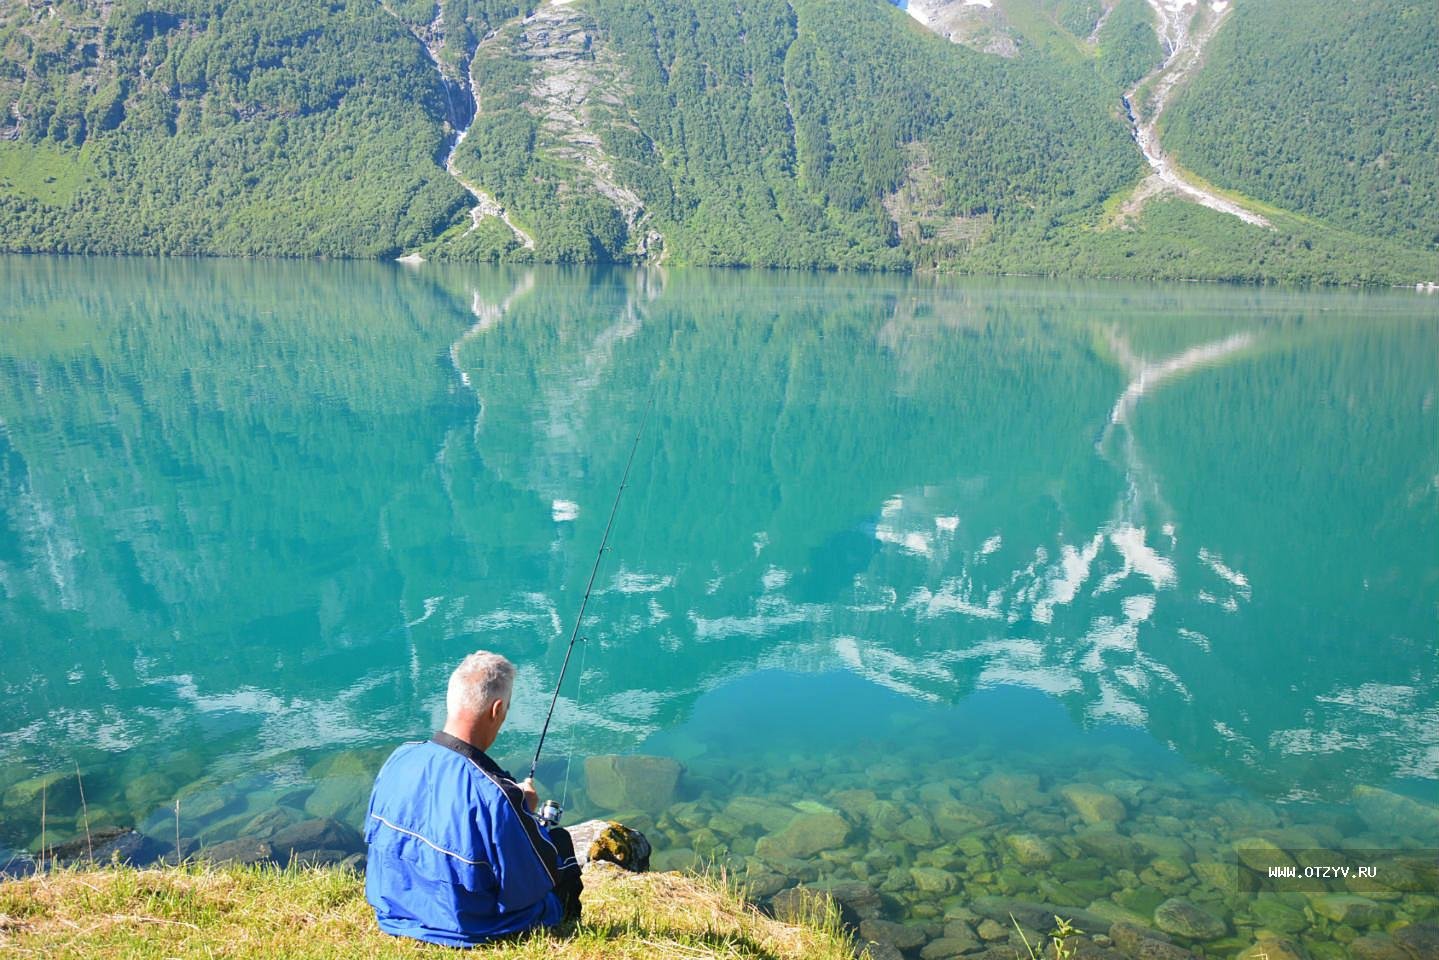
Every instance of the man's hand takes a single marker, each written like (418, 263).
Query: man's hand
(532, 799)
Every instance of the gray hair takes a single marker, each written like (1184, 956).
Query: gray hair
(480, 679)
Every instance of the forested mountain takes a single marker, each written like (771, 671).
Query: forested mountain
(1007, 136)
(1339, 120)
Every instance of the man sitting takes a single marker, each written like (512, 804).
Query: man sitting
(457, 856)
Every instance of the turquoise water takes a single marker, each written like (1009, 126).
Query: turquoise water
(918, 555)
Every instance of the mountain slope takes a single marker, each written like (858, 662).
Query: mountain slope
(954, 134)
(1338, 119)
(259, 127)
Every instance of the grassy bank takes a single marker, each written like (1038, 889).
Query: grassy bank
(248, 912)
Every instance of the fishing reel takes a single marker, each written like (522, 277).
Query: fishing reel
(549, 813)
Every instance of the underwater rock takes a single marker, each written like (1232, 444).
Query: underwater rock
(1420, 941)
(1094, 806)
(364, 764)
(199, 803)
(960, 932)
(1030, 850)
(933, 794)
(242, 851)
(58, 791)
(1038, 916)
(799, 903)
(1349, 909)
(1259, 854)
(804, 836)
(946, 948)
(901, 936)
(1183, 919)
(1126, 936)
(1170, 871)
(761, 885)
(1221, 876)
(1161, 845)
(1395, 813)
(340, 798)
(677, 858)
(916, 831)
(1111, 847)
(765, 814)
(885, 818)
(1377, 948)
(1016, 792)
(1141, 900)
(314, 836)
(648, 783)
(853, 803)
(1247, 814)
(990, 930)
(1279, 917)
(860, 900)
(955, 820)
(148, 791)
(932, 881)
(131, 847)
(1274, 948)
(264, 825)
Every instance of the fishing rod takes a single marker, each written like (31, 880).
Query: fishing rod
(550, 811)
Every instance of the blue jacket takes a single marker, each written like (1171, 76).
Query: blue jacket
(454, 856)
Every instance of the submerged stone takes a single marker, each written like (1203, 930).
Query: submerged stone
(1390, 812)
(148, 791)
(1377, 948)
(931, 880)
(765, 814)
(946, 948)
(798, 904)
(1016, 792)
(759, 886)
(54, 792)
(1094, 806)
(1111, 847)
(901, 936)
(1277, 916)
(340, 798)
(315, 835)
(1274, 948)
(1141, 900)
(1221, 876)
(916, 831)
(1030, 850)
(1126, 936)
(1420, 940)
(1260, 854)
(804, 836)
(646, 783)
(1349, 909)
(1183, 919)
(241, 851)
(853, 803)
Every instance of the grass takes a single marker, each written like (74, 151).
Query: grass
(45, 172)
(252, 912)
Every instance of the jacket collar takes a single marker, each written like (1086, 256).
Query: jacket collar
(470, 752)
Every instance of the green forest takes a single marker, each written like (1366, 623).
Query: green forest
(1338, 121)
(811, 134)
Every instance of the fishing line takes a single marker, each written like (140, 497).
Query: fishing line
(551, 811)
(574, 715)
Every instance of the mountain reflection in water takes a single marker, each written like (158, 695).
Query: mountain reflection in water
(251, 513)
